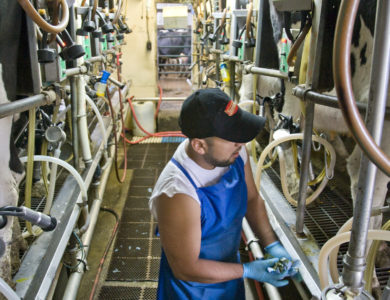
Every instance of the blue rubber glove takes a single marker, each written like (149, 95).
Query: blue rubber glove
(257, 270)
(277, 250)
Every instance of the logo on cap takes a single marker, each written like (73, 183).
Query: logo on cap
(231, 108)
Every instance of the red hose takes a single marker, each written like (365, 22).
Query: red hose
(148, 134)
(259, 290)
(120, 179)
(95, 283)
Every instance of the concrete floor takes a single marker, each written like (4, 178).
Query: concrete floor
(114, 198)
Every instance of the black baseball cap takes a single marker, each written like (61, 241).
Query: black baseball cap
(210, 112)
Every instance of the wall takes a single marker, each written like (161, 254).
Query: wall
(140, 64)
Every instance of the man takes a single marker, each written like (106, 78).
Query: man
(200, 199)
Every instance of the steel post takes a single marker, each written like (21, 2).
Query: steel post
(354, 260)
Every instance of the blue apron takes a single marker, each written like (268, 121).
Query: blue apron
(223, 207)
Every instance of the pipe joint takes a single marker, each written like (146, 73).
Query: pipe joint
(50, 96)
(353, 272)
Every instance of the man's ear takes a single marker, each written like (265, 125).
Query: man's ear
(199, 145)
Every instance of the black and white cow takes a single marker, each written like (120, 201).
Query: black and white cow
(11, 168)
(330, 120)
(11, 175)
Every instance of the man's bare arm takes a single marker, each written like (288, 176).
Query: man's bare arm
(180, 233)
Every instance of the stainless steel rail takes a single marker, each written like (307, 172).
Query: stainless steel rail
(25, 104)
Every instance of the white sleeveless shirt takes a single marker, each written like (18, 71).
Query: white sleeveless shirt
(173, 181)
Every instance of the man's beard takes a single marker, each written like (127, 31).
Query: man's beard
(218, 163)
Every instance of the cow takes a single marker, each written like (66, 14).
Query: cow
(173, 46)
(330, 120)
(11, 175)
(12, 170)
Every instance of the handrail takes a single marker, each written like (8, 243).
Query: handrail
(25, 104)
(342, 79)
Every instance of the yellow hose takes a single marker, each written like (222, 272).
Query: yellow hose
(295, 158)
(286, 193)
(371, 260)
(30, 162)
(336, 241)
(44, 166)
(334, 272)
(304, 64)
(253, 142)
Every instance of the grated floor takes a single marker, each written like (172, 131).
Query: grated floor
(134, 265)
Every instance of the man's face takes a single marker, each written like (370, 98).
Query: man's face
(220, 152)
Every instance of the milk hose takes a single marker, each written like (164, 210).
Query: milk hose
(101, 124)
(99, 118)
(37, 231)
(336, 241)
(34, 15)
(334, 273)
(295, 136)
(322, 173)
(297, 44)
(371, 260)
(66, 166)
(7, 291)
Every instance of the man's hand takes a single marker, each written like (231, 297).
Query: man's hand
(277, 250)
(257, 270)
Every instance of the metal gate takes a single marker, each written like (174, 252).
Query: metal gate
(174, 49)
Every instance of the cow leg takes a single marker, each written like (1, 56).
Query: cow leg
(341, 151)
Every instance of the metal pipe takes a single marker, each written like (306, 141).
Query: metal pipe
(116, 82)
(311, 81)
(157, 99)
(49, 248)
(25, 104)
(73, 93)
(386, 291)
(354, 260)
(264, 71)
(341, 73)
(326, 100)
(93, 59)
(76, 71)
(233, 29)
(259, 31)
(74, 280)
(232, 71)
(304, 174)
(231, 58)
(82, 121)
(251, 241)
(75, 131)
